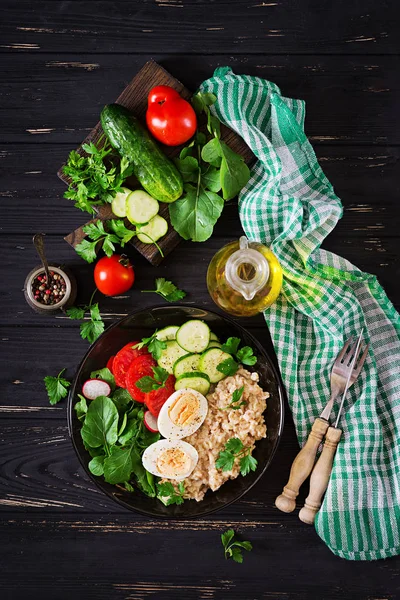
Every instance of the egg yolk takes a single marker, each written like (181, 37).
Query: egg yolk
(184, 409)
(173, 462)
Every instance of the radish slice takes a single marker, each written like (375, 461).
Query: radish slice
(150, 422)
(92, 388)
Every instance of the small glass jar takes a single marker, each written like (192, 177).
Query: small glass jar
(68, 298)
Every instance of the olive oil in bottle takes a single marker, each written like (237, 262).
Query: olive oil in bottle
(244, 278)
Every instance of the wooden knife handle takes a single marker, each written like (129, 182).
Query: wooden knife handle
(320, 476)
(302, 467)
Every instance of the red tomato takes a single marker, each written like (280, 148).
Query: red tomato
(155, 399)
(169, 117)
(113, 275)
(140, 367)
(109, 364)
(123, 360)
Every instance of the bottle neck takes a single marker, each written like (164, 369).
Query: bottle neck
(247, 270)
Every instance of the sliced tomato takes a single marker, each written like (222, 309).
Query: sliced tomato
(109, 364)
(123, 360)
(155, 399)
(140, 367)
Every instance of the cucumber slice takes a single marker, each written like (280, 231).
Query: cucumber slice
(194, 381)
(141, 207)
(170, 355)
(209, 361)
(168, 333)
(193, 336)
(214, 344)
(153, 231)
(118, 205)
(213, 337)
(186, 364)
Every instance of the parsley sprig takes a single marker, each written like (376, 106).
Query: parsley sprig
(154, 345)
(236, 401)
(235, 449)
(105, 236)
(168, 494)
(94, 179)
(149, 384)
(92, 328)
(167, 290)
(244, 355)
(56, 387)
(233, 548)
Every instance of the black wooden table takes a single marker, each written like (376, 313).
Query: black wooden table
(61, 62)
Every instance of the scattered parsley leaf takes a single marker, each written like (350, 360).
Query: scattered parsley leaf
(236, 401)
(56, 387)
(154, 345)
(87, 250)
(94, 327)
(234, 449)
(167, 290)
(76, 313)
(234, 445)
(247, 463)
(168, 494)
(225, 460)
(245, 355)
(228, 367)
(148, 384)
(233, 548)
(91, 330)
(231, 345)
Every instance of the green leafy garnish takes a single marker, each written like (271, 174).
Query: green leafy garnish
(168, 494)
(236, 401)
(154, 345)
(92, 328)
(234, 449)
(231, 345)
(56, 387)
(105, 375)
(101, 423)
(93, 180)
(100, 236)
(244, 355)
(167, 290)
(228, 366)
(233, 548)
(81, 407)
(148, 384)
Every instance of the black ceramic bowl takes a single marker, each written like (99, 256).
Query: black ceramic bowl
(142, 324)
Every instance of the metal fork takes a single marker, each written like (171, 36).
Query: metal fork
(304, 462)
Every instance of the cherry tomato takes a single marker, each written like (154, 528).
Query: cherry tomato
(169, 117)
(113, 275)
(123, 360)
(156, 398)
(140, 367)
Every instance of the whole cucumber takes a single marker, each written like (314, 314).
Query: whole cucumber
(154, 171)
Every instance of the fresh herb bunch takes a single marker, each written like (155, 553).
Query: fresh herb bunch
(233, 548)
(56, 387)
(167, 290)
(154, 345)
(92, 328)
(168, 494)
(207, 168)
(105, 235)
(236, 401)
(115, 436)
(94, 182)
(149, 384)
(234, 448)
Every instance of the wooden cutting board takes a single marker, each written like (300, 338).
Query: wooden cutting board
(134, 97)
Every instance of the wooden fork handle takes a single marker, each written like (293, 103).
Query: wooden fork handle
(320, 476)
(302, 466)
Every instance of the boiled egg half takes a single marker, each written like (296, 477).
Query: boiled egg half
(182, 414)
(170, 459)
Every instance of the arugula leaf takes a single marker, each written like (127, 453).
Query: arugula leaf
(231, 345)
(128, 487)
(245, 355)
(234, 172)
(201, 100)
(148, 384)
(194, 215)
(144, 478)
(168, 494)
(236, 401)
(105, 375)
(56, 387)
(228, 367)
(131, 430)
(233, 548)
(81, 407)
(118, 466)
(122, 400)
(96, 465)
(101, 423)
(167, 290)
(211, 179)
(211, 152)
(188, 168)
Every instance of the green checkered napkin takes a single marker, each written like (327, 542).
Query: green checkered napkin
(290, 206)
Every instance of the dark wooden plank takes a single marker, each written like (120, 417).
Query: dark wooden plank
(349, 100)
(361, 175)
(235, 27)
(134, 98)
